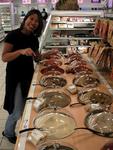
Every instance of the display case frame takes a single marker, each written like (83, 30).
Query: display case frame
(86, 26)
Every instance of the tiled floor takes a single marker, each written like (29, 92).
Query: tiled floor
(4, 143)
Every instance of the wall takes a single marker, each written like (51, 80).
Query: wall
(104, 4)
(89, 4)
(34, 4)
(86, 5)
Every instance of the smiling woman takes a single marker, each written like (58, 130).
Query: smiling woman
(34, 15)
(20, 48)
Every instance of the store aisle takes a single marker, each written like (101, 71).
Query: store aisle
(4, 143)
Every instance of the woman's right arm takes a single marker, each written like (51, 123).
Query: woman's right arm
(9, 55)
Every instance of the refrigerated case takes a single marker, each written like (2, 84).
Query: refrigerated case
(70, 29)
(9, 17)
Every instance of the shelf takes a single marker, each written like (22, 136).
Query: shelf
(1, 31)
(67, 46)
(79, 28)
(8, 17)
(71, 22)
(6, 25)
(1, 39)
(5, 14)
(76, 38)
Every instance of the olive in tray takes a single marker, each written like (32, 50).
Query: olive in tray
(51, 99)
(53, 53)
(52, 81)
(79, 69)
(100, 122)
(86, 80)
(55, 56)
(94, 96)
(52, 70)
(52, 147)
(56, 146)
(51, 62)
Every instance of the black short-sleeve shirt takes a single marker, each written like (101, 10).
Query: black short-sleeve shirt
(20, 41)
(19, 70)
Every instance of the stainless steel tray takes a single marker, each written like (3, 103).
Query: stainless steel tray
(56, 146)
(86, 81)
(101, 122)
(57, 125)
(54, 99)
(94, 96)
(53, 81)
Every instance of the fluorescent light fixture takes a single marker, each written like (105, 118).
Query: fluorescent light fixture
(26, 1)
(5, 3)
(95, 1)
(54, 1)
(42, 1)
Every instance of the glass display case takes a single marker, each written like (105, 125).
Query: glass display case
(70, 29)
(9, 17)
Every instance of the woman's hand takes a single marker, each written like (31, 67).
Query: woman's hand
(27, 52)
(9, 55)
(37, 56)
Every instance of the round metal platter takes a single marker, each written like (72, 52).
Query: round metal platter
(54, 73)
(54, 99)
(57, 125)
(86, 81)
(94, 96)
(82, 73)
(56, 146)
(52, 70)
(50, 62)
(108, 146)
(101, 122)
(53, 81)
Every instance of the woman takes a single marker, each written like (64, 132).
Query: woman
(20, 47)
(44, 16)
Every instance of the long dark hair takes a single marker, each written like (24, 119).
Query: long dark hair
(38, 31)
